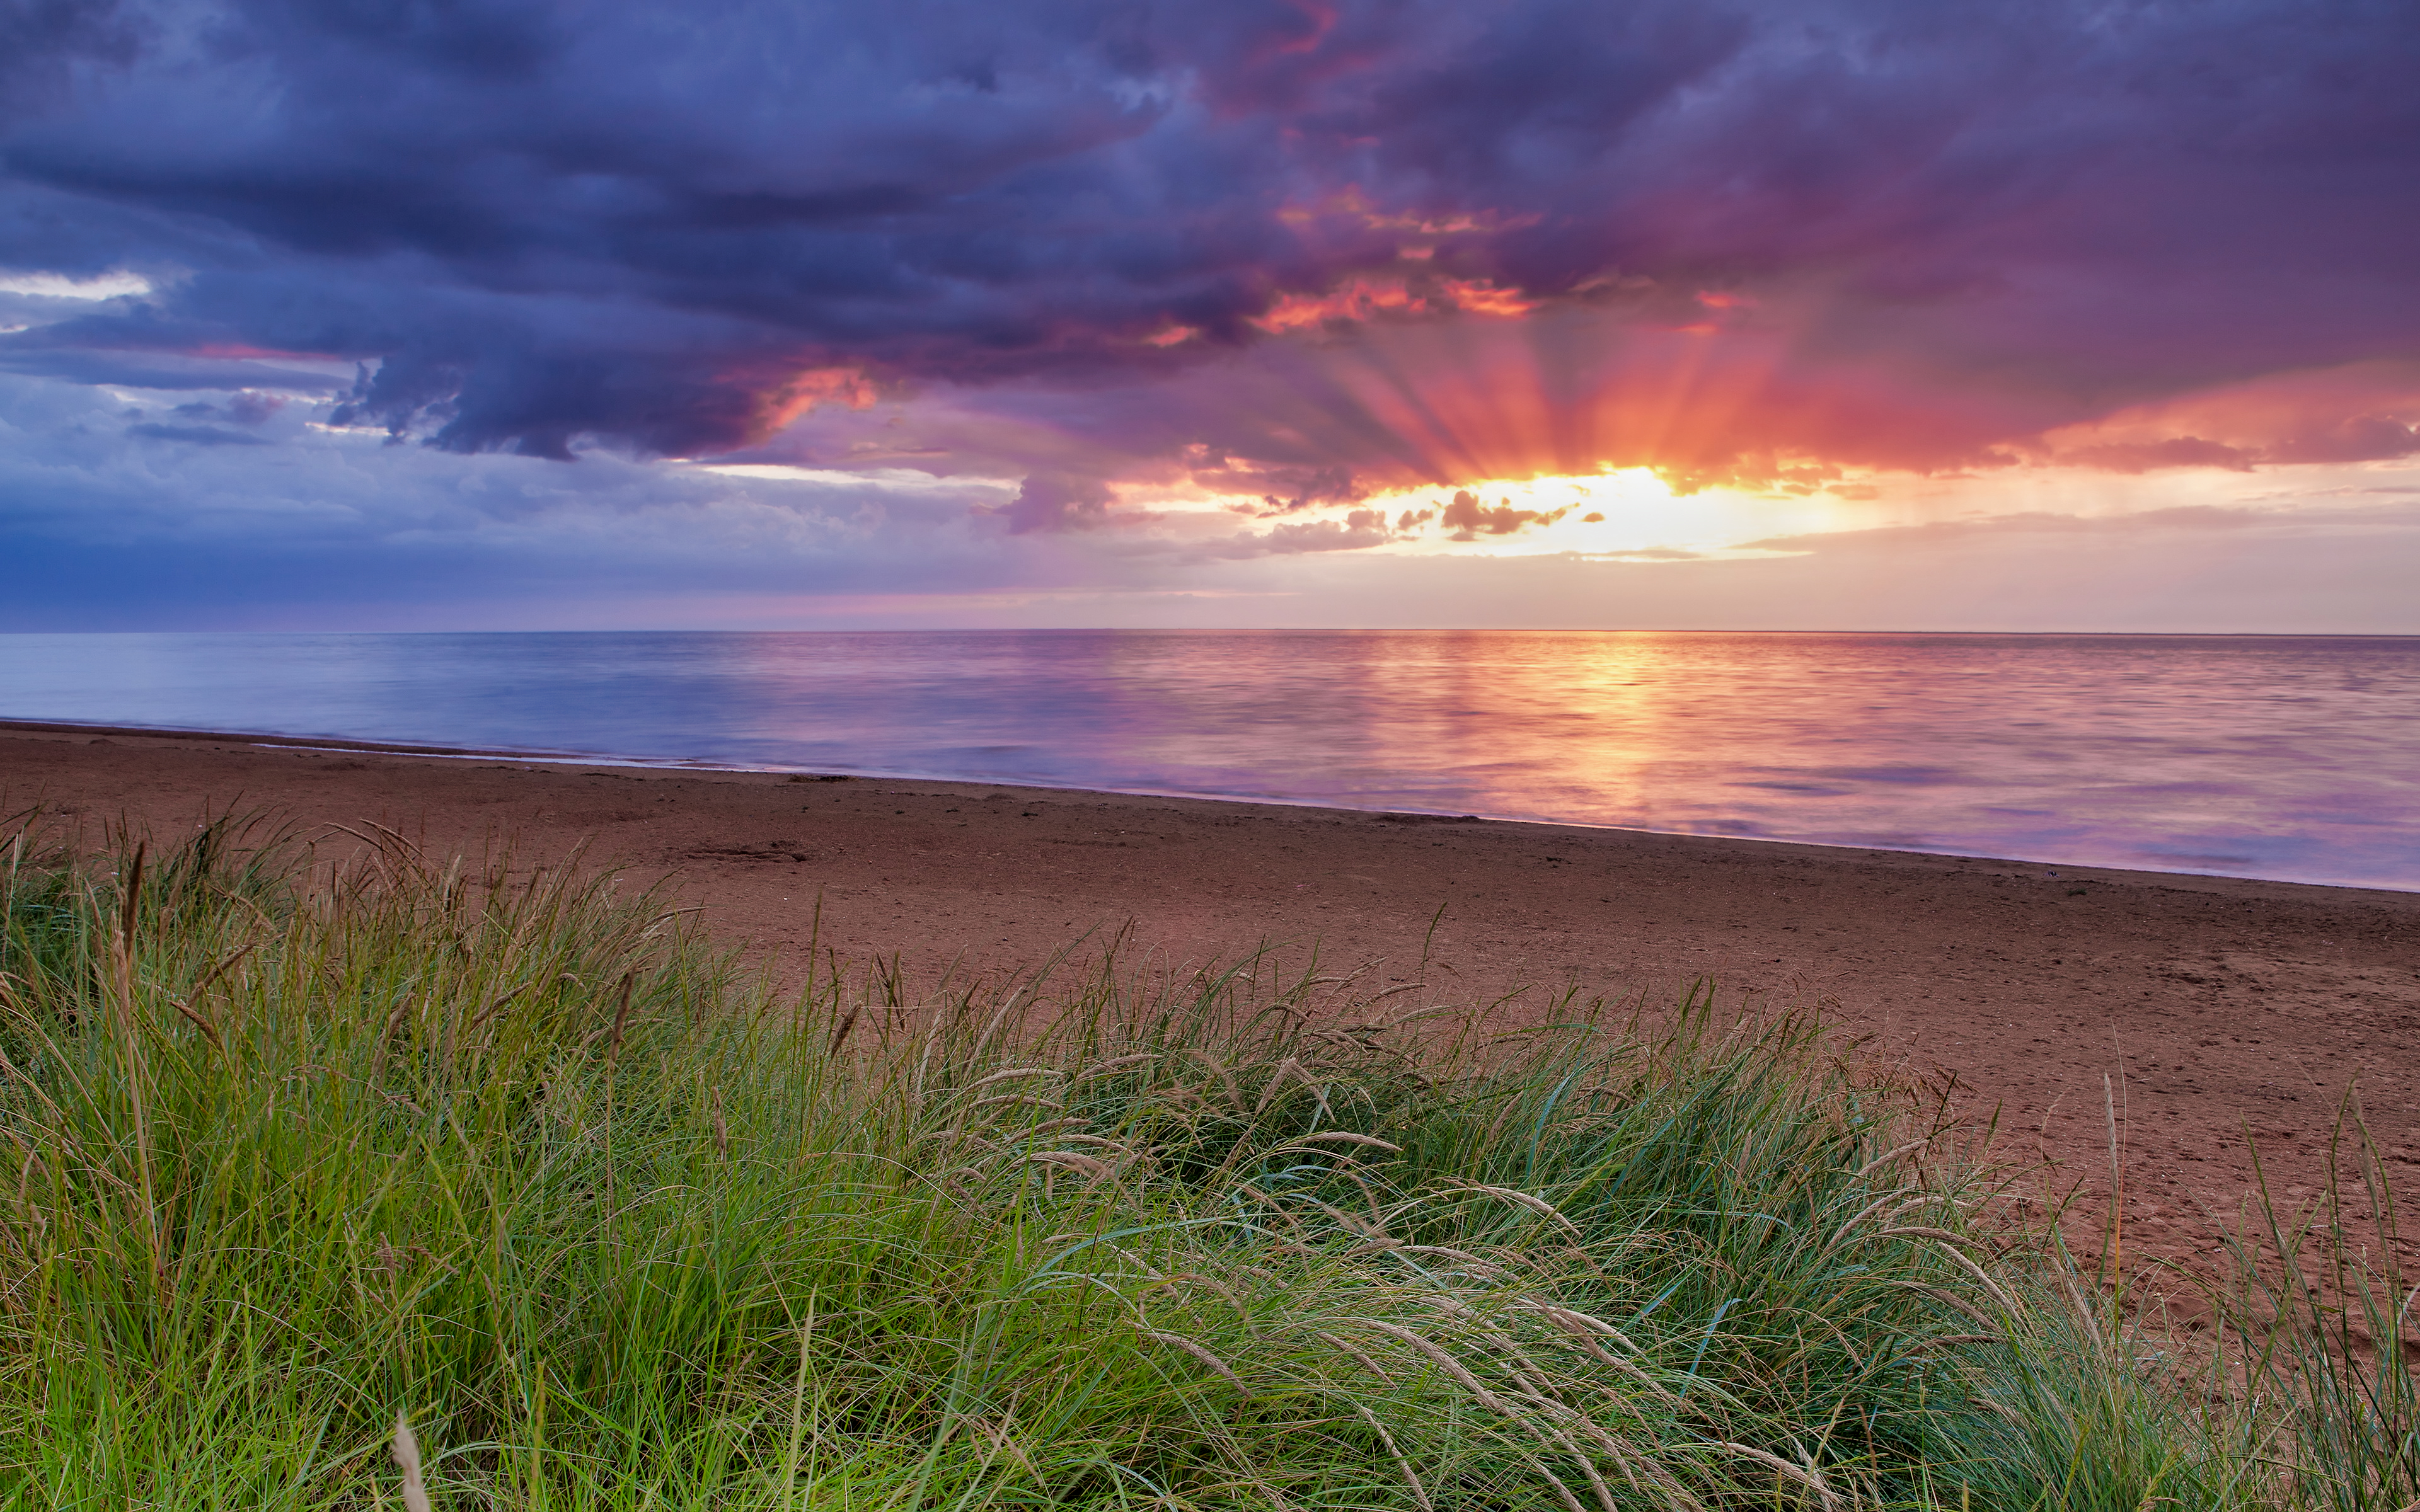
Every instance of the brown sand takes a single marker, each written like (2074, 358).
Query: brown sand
(2210, 1006)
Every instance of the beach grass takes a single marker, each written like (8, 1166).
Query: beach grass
(393, 1182)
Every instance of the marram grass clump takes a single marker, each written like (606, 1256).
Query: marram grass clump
(389, 1183)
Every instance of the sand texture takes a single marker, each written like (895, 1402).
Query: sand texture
(2211, 1007)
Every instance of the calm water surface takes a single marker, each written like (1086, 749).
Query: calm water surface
(2275, 757)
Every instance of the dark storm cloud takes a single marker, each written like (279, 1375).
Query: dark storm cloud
(43, 42)
(535, 223)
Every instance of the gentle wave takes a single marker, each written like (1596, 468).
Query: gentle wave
(2285, 756)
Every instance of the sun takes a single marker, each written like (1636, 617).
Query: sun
(1621, 511)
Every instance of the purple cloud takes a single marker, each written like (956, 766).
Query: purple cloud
(1050, 503)
(1913, 235)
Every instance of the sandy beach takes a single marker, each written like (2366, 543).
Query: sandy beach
(2207, 1006)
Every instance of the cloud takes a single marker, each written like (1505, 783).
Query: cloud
(2351, 439)
(2191, 519)
(244, 408)
(2333, 572)
(1057, 296)
(61, 287)
(1467, 518)
(1361, 530)
(1053, 503)
(541, 226)
(41, 45)
(2176, 452)
(2359, 413)
(195, 434)
(336, 527)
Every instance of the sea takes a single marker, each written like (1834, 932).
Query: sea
(2294, 758)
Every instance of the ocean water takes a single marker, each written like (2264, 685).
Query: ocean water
(2292, 758)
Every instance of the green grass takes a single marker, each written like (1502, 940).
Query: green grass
(288, 1151)
(2323, 1315)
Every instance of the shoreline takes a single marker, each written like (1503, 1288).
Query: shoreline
(2213, 1005)
(560, 759)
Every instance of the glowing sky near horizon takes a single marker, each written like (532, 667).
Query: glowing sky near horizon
(1822, 314)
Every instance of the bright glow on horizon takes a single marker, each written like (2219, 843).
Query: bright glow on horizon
(897, 479)
(1632, 514)
(1626, 512)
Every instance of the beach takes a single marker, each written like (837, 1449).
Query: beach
(2187, 1011)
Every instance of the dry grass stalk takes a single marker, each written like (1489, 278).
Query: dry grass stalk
(1089, 1168)
(407, 1458)
(1411, 1476)
(1111, 1068)
(1840, 1235)
(1341, 1136)
(1804, 1474)
(1444, 1361)
(1358, 1357)
(1602, 1493)
(1523, 1199)
(1888, 1156)
(1012, 1074)
(621, 1019)
(1199, 1352)
(1950, 1252)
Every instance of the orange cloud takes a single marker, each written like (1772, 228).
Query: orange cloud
(1479, 295)
(1364, 299)
(787, 401)
(1356, 299)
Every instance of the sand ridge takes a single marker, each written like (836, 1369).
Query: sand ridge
(2206, 1007)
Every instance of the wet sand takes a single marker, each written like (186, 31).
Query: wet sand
(2210, 1007)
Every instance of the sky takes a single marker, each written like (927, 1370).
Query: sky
(2017, 315)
